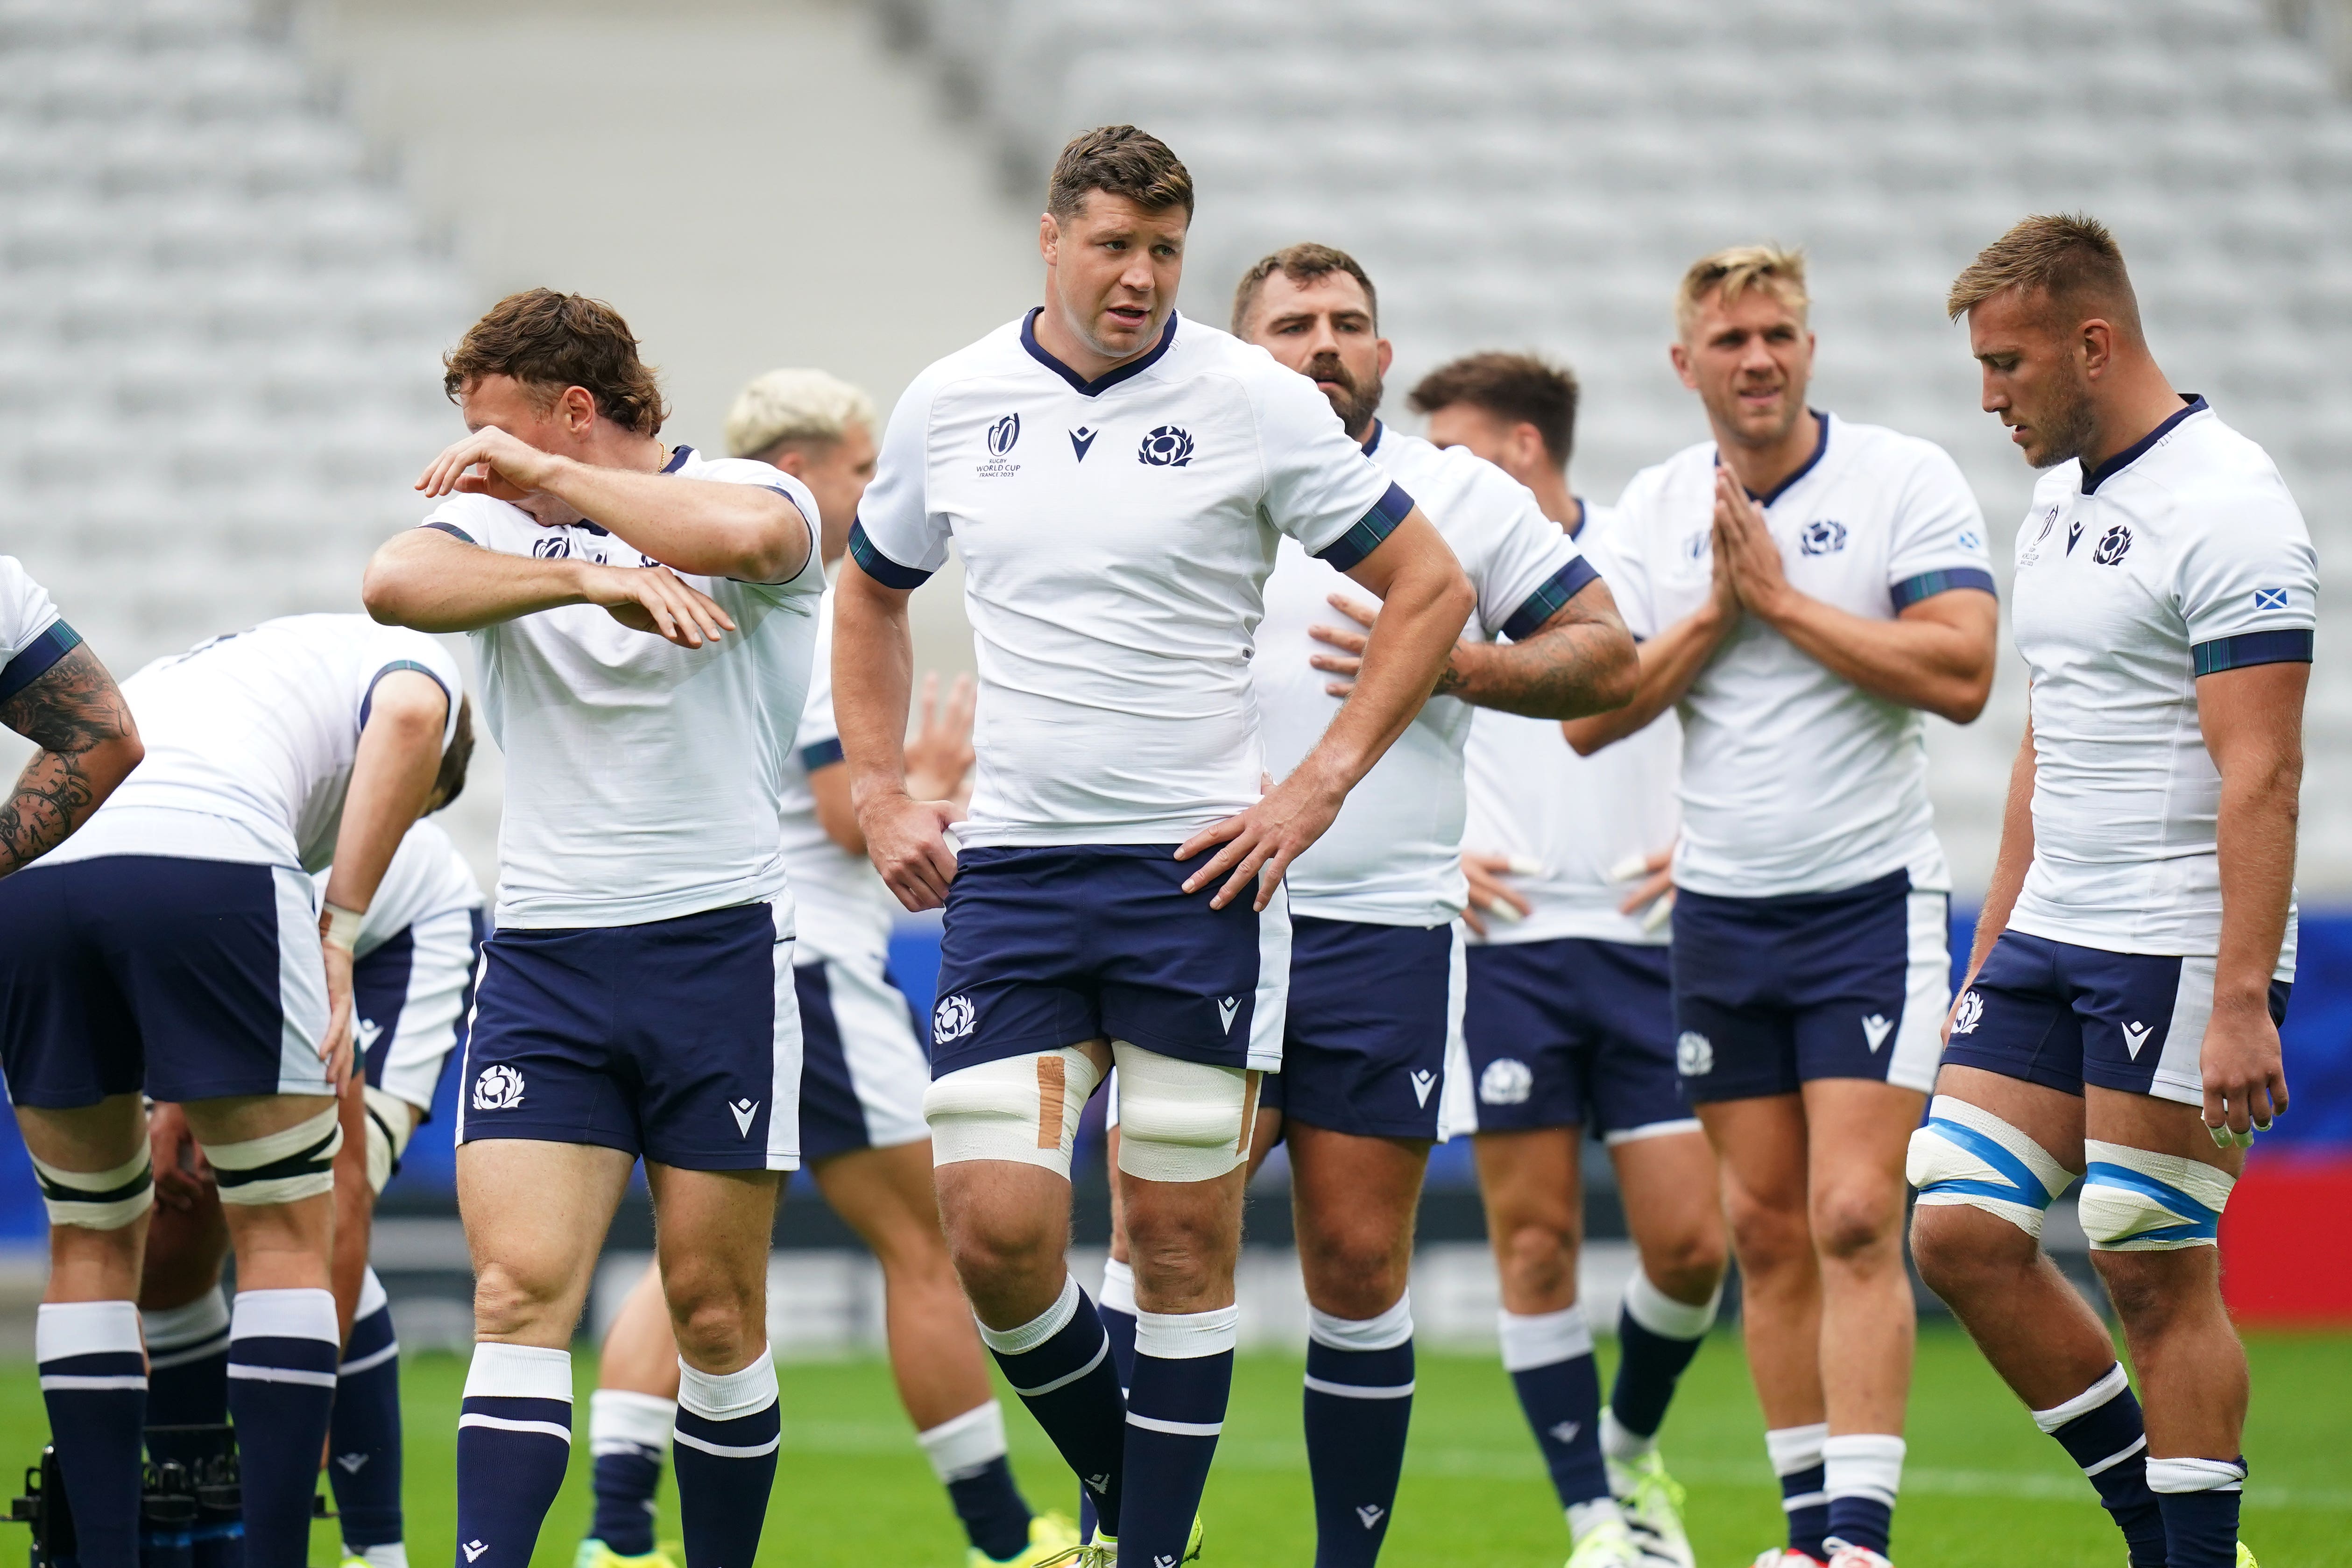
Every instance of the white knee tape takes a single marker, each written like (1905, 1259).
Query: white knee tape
(390, 1122)
(1024, 1108)
(1179, 1120)
(279, 1167)
(1966, 1154)
(2134, 1201)
(98, 1200)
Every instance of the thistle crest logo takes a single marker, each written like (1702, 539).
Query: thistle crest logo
(1167, 447)
(2113, 546)
(1968, 1014)
(1824, 536)
(1506, 1081)
(499, 1089)
(1694, 1054)
(951, 1019)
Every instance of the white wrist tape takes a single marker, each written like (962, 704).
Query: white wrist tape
(279, 1167)
(341, 927)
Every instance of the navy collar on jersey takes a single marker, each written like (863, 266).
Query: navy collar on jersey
(1372, 441)
(2192, 403)
(677, 459)
(1821, 450)
(1104, 383)
(1584, 516)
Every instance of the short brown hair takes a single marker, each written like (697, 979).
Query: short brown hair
(1124, 162)
(550, 342)
(1736, 270)
(1302, 264)
(1520, 388)
(2062, 255)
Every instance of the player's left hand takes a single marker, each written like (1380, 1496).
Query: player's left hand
(335, 1047)
(180, 1172)
(2244, 1072)
(1657, 880)
(489, 462)
(1348, 661)
(1749, 551)
(1261, 843)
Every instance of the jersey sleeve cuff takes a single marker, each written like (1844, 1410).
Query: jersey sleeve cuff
(2285, 646)
(367, 703)
(823, 755)
(38, 657)
(453, 531)
(1545, 603)
(1365, 537)
(878, 567)
(1928, 585)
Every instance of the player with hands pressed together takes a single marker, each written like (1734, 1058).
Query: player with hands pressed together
(2134, 957)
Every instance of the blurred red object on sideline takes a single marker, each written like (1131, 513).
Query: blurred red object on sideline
(2286, 1240)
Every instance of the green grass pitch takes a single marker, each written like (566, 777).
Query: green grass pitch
(1982, 1486)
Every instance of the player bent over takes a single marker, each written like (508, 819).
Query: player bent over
(1569, 1022)
(863, 1072)
(644, 617)
(1806, 586)
(2132, 964)
(1376, 960)
(177, 945)
(1118, 478)
(411, 982)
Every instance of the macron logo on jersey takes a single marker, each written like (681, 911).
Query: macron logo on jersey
(1873, 1030)
(1081, 440)
(1226, 1007)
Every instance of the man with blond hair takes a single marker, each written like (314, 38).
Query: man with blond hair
(2132, 964)
(1806, 587)
(863, 1071)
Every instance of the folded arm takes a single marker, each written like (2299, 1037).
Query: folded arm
(1582, 660)
(435, 582)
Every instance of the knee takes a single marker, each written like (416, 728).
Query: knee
(1853, 1226)
(1539, 1259)
(986, 1250)
(1769, 1238)
(1686, 1266)
(2153, 1291)
(1354, 1276)
(1961, 1253)
(716, 1328)
(510, 1301)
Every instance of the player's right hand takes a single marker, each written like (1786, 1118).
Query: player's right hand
(654, 599)
(906, 839)
(1489, 893)
(181, 1173)
(335, 1048)
(939, 753)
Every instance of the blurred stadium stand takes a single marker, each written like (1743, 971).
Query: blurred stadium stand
(234, 236)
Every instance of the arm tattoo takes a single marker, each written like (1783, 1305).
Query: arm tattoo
(70, 710)
(1548, 676)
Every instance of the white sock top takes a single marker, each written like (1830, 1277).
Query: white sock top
(1862, 1464)
(2112, 1383)
(1531, 1340)
(728, 1396)
(517, 1371)
(1188, 1336)
(371, 1296)
(1794, 1448)
(305, 1313)
(965, 1444)
(1117, 1287)
(1384, 1333)
(1666, 1317)
(2177, 1476)
(64, 1328)
(205, 1318)
(1039, 1329)
(622, 1420)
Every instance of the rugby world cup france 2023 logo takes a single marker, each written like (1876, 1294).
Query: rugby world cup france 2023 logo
(1003, 436)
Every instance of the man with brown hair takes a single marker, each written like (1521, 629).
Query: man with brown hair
(1376, 959)
(1567, 1021)
(1117, 480)
(644, 617)
(2132, 964)
(1807, 587)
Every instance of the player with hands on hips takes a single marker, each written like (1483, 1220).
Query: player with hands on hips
(1807, 587)
(1118, 478)
(644, 617)
(2134, 957)
(177, 947)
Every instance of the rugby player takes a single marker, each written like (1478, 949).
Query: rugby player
(412, 980)
(1376, 959)
(56, 693)
(177, 945)
(1806, 587)
(1118, 478)
(644, 618)
(2131, 967)
(1569, 1022)
(863, 1071)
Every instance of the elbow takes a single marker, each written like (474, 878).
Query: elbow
(1586, 738)
(380, 592)
(775, 547)
(1963, 701)
(1619, 677)
(124, 752)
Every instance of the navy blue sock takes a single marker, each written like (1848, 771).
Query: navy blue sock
(1549, 1358)
(94, 1383)
(2102, 1431)
(187, 1371)
(1059, 1363)
(1183, 1380)
(1359, 1408)
(1656, 1338)
(629, 1433)
(728, 1430)
(1862, 1471)
(2200, 1500)
(1796, 1453)
(1116, 1307)
(283, 1349)
(967, 1453)
(363, 1438)
(514, 1439)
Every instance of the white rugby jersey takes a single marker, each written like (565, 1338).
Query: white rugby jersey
(427, 876)
(2178, 557)
(845, 909)
(641, 776)
(1578, 819)
(1394, 856)
(250, 740)
(1793, 779)
(1116, 536)
(31, 637)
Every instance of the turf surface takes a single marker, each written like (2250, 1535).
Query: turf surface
(1983, 1488)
